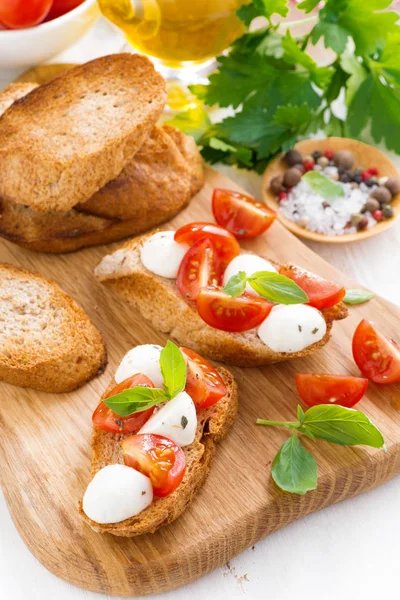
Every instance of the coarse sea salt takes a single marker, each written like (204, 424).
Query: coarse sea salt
(304, 207)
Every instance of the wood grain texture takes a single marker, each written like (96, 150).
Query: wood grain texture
(365, 156)
(45, 441)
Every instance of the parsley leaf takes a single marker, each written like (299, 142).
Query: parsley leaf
(264, 8)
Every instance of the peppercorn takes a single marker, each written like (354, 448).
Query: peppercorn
(363, 224)
(316, 155)
(323, 162)
(378, 215)
(382, 194)
(329, 153)
(382, 180)
(299, 167)
(374, 179)
(357, 178)
(292, 177)
(393, 185)
(308, 163)
(356, 218)
(276, 184)
(371, 204)
(326, 204)
(292, 157)
(344, 159)
(345, 177)
(370, 182)
(387, 211)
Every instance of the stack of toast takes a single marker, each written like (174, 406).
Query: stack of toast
(82, 161)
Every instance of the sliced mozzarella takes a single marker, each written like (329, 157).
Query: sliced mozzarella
(116, 493)
(292, 328)
(141, 359)
(176, 420)
(250, 264)
(161, 255)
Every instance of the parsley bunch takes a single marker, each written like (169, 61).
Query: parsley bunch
(279, 93)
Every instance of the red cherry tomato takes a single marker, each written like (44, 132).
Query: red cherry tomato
(240, 214)
(221, 311)
(199, 268)
(104, 418)
(330, 389)
(157, 457)
(321, 292)
(17, 14)
(225, 243)
(203, 383)
(61, 7)
(377, 357)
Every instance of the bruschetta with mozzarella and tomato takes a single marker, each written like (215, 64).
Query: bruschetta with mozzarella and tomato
(179, 281)
(151, 456)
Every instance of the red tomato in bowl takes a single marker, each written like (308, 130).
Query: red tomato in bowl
(107, 420)
(61, 7)
(330, 389)
(203, 383)
(17, 14)
(321, 292)
(200, 267)
(377, 357)
(225, 243)
(221, 311)
(240, 214)
(157, 457)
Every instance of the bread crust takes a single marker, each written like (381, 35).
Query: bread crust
(159, 301)
(213, 425)
(69, 137)
(70, 354)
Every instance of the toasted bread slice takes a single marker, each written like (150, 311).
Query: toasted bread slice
(47, 341)
(160, 179)
(69, 137)
(212, 426)
(159, 301)
(160, 183)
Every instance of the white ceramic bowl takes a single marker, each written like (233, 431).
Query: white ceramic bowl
(33, 46)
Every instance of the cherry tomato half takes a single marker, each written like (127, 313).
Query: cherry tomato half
(104, 418)
(203, 383)
(377, 357)
(199, 268)
(321, 292)
(221, 311)
(157, 457)
(330, 389)
(225, 243)
(17, 14)
(240, 214)
(62, 7)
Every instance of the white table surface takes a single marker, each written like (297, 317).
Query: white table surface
(348, 551)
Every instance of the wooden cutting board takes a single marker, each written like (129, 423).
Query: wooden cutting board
(45, 441)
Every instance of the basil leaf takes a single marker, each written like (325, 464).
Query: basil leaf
(357, 296)
(323, 185)
(135, 400)
(343, 426)
(173, 369)
(294, 469)
(277, 288)
(236, 285)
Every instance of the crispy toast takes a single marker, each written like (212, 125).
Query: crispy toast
(159, 301)
(213, 425)
(155, 185)
(69, 137)
(47, 341)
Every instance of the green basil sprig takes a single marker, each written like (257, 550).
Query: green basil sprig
(294, 469)
(270, 285)
(139, 398)
(357, 296)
